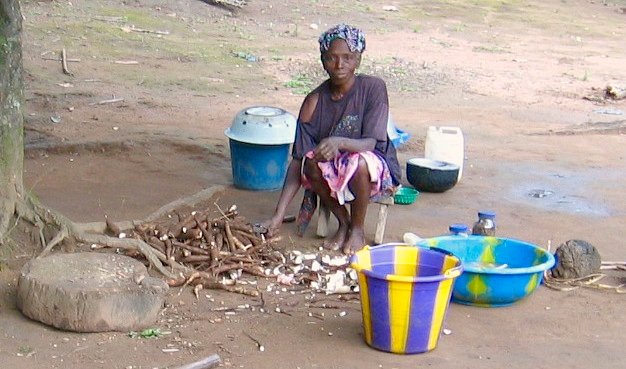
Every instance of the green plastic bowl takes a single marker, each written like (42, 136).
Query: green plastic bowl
(405, 195)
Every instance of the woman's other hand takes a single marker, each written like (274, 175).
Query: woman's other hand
(327, 149)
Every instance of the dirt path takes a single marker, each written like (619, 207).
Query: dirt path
(512, 76)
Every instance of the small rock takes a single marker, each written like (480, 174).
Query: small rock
(576, 259)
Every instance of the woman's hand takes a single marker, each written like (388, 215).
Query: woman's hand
(327, 149)
(272, 226)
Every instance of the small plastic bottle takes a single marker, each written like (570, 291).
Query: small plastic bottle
(411, 238)
(485, 225)
(458, 229)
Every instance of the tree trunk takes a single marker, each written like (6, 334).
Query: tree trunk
(15, 203)
(11, 117)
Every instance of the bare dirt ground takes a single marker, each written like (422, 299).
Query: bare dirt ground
(512, 75)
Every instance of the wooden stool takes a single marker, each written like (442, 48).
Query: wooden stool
(383, 209)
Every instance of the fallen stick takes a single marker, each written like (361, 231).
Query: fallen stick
(69, 60)
(140, 30)
(104, 18)
(613, 267)
(325, 306)
(206, 363)
(257, 342)
(613, 263)
(126, 62)
(109, 101)
(64, 63)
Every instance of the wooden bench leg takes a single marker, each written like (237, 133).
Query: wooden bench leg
(323, 214)
(383, 210)
(381, 223)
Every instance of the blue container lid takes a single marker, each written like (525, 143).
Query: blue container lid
(486, 214)
(458, 228)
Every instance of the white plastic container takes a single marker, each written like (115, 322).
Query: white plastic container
(445, 144)
(411, 239)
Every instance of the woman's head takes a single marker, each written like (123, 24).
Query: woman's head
(354, 37)
(341, 48)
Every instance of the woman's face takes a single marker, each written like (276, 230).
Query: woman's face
(339, 62)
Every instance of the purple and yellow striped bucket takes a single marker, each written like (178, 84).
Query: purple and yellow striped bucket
(405, 292)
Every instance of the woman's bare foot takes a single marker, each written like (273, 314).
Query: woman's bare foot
(355, 242)
(337, 241)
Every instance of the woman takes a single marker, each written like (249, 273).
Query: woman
(341, 151)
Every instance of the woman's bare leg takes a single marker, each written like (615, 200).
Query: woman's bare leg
(360, 188)
(319, 185)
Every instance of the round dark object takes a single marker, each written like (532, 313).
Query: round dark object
(576, 259)
(431, 175)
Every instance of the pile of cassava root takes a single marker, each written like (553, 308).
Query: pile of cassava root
(218, 250)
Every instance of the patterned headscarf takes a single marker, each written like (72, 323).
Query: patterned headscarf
(355, 38)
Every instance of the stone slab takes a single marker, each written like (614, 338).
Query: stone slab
(90, 292)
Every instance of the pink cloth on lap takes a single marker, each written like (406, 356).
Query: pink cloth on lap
(339, 171)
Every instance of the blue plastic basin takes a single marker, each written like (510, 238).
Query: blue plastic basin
(497, 271)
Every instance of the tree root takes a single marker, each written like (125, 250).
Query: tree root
(155, 257)
(41, 217)
(58, 238)
(92, 234)
(187, 201)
